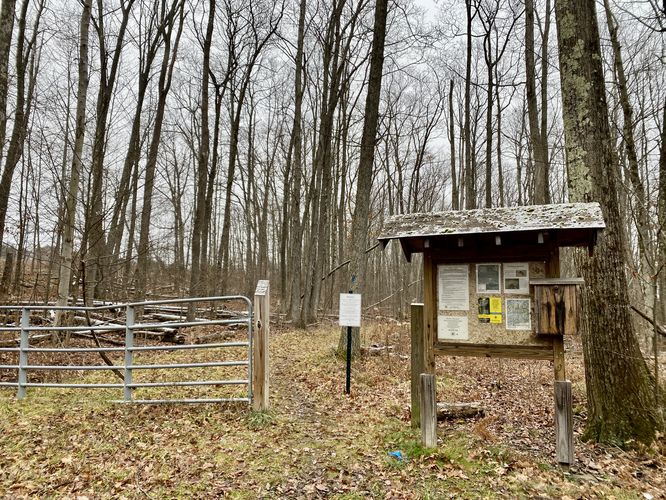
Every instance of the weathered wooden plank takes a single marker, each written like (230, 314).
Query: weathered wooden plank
(260, 378)
(555, 309)
(429, 311)
(428, 410)
(559, 366)
(557, 281)
(495, 350)
(417, 365)
(495, 220)
(478, 252)
(564, 447)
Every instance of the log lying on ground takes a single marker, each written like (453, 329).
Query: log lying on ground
(452, 411)
(213, 337)
(34, 339)
(376, 350)
(163, 333)
(182, 311)
(101, 339)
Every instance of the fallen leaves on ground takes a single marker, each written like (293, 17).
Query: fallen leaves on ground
(316, 442)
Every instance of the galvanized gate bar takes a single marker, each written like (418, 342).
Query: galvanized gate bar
(188, 383)
(129, 366)
(188, 346)
(75, 349)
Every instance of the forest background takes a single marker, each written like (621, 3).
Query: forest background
(214, 143)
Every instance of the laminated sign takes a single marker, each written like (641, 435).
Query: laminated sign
(350, 309)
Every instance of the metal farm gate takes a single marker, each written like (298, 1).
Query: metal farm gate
(131, 333)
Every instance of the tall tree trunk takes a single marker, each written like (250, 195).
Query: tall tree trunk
(296, 144)
(153, 41)
(131, 230)
(662, 219)
(166, 72)
(537, 136)
(6, 31)
(259, 41)
(639, 198)
(208, 239)
(500, 169)
(196, 288)
(322, 164)
(25, 67)
(94, 224)
(470, 175)
(360, 220)
(455, 195)
(487, 48)
(73, 188)
(619, 388)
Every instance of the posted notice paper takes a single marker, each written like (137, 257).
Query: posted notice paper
(452, 328)
(517, 278)
(453, 287)
(487, 278)
(350, 309)
(518, 314)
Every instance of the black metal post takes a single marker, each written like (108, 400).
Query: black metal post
(349, 355)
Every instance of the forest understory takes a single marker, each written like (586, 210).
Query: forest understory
(315, 442)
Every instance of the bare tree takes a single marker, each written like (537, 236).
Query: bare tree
(538, 131)
(202, 167)
(108, 71)
(619, 388)
(251, 27)
(170, 39)
(294, 162)
(6, 31)
(25, 55)
(359, 232)
(73, 185)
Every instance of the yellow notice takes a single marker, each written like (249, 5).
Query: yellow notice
(496, 307)
(496, 319)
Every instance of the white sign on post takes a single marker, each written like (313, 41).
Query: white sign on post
(350, 309)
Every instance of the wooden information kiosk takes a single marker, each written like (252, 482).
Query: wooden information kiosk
(491, 288)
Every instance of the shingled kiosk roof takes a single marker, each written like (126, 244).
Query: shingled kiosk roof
(560, 225)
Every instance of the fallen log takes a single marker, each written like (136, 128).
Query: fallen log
(376, 350)
(207, 339)
(101, 339)
(33, 339)
(452, 411)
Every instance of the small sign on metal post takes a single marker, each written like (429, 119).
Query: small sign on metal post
(350, 316)
(350, 309)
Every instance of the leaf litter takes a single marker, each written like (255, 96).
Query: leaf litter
(316, 442)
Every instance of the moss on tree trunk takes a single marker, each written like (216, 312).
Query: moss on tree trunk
(620, 390)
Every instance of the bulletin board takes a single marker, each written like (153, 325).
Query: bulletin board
(486, 302)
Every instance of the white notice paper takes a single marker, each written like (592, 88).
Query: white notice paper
(452, 328)
(517, 278)
(350, 309)
(453, 287)
(518, 314)
(487, 278)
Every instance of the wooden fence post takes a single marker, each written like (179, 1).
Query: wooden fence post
(563, 423)
(428, 411)
(417, 364)
(262, 316)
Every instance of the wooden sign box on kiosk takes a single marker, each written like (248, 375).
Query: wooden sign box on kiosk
(491, 288)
